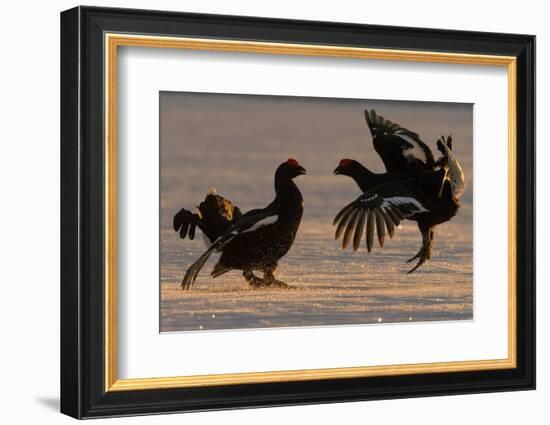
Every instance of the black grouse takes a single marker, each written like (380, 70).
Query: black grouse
(256, 240)
(213, 217)
(415, 187)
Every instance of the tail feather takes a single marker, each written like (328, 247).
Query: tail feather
(453, 173)
(194, 269)
(215, 215)
(218, 270)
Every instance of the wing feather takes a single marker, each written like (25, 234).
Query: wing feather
(185, 222)
(389, 223)
(350, 228)
(380, 208)
(380, 227)
(341, 213)
(400, 149)
(359, 230)
(398, 213)
(370, 231)
(391, 213)
(343, 222)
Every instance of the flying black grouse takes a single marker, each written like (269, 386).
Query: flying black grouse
(415, 187)
(252, 241)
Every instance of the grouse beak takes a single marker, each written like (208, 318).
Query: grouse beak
(301, 170)
(337, 171)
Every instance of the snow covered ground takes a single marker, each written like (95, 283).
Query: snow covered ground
(234, 143)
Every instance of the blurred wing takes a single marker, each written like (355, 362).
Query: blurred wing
(383, 208)
(185, 223)
(400, 149)
(216, 215)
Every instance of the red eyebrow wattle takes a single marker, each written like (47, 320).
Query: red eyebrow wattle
(292, 161)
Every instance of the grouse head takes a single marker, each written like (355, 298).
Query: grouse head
(290, 169)
(348, 167)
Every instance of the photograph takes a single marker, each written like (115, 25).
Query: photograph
(290, 210)
(286, 211)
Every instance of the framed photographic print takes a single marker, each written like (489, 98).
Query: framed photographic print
(261, 212)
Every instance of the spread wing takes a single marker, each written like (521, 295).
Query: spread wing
(400, 149)
(215, 215)
(382, 207)
(185, 222)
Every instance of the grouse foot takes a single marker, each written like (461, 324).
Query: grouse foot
(424, 254)
(272, 281)
(254, 281)
(280, 284)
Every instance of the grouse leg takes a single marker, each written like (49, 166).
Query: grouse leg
(270, 278)
(425, 252)
(253, 280)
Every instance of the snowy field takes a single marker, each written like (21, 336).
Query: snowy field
(234, 143)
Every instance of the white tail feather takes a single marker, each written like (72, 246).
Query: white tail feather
(454, 173)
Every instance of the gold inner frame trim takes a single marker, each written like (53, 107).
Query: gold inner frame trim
(113, 41)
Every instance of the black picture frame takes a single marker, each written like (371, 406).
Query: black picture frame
(83, 392)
